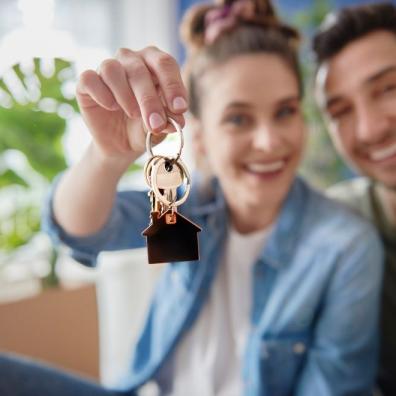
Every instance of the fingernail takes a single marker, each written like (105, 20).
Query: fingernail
(155, 121)
(179, 103)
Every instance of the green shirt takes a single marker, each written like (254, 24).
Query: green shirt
(361, 195)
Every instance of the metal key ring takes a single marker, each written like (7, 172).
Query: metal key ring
(147, 170)
(186, 175)
(149, 147)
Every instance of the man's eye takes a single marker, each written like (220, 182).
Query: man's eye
(285, 112)
(339, 113)
(388, 88)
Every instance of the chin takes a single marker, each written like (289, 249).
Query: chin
(266, 195)
(388, 184)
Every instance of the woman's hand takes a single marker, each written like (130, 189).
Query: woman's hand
(133, 88)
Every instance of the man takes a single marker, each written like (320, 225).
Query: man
(356, 87)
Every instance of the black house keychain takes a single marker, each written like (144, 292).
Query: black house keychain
(170, 235)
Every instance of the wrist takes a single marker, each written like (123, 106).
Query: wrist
(115, 165)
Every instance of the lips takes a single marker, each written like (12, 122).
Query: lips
(266, 168)
(383, 154)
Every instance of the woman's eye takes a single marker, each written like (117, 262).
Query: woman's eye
(237, 120)
(285, 112)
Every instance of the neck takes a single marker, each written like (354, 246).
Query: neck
(387, 197)
(250, 219)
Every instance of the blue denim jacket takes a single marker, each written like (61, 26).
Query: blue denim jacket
(315, 288)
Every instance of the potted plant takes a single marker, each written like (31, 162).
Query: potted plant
(36, 103)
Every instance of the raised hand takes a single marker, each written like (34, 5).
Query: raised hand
(132, 89)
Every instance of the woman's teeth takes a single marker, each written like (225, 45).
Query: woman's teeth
(266, 168)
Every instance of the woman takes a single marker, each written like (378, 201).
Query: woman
(284, 299)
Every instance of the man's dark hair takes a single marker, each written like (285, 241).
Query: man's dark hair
(351, 23)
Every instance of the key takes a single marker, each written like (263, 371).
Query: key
(167, 177)
(154, 204)
(148, 167)
(170, 235)
(169, 174)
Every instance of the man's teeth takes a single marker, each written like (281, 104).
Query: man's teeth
(266, 168)
(380, 155)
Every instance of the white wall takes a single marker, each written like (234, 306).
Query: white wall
(149, 22)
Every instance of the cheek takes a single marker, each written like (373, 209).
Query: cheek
(339, 138)
(220, 148)
(297, 140)
(301, 141)
(387, 103)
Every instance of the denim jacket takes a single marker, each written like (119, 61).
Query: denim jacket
(315, 292)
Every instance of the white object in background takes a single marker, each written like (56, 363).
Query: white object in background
(154, 23)
(125, 284)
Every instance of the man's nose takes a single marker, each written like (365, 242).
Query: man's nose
(372, 125)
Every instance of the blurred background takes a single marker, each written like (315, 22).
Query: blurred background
(51, 308)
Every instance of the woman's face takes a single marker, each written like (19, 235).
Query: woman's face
(251, 128)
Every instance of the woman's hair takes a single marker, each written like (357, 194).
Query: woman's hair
(213, 34)
(349, 24)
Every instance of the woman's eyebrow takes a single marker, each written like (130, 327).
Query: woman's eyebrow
(241, 104)
(288, 99)
(238, 104)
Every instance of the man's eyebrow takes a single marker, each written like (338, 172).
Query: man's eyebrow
(371, 79)
(381, 73)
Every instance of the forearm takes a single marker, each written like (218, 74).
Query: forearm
(84, 197)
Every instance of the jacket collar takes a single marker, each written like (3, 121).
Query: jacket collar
(284, 237)
(209, 201)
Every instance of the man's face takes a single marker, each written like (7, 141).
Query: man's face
(357, 90)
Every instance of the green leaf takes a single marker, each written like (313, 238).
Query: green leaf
(9, 178)
(29, 129)
(25, 223)
(37, 133)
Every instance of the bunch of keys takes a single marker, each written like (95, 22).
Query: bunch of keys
(170, 235)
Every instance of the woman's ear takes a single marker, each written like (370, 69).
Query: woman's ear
(197, 138)
(198, 146)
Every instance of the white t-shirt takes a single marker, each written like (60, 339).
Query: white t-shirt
(208, 359)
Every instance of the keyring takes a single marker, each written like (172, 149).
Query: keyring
(148, 168)
(156, 190)
(178, 129)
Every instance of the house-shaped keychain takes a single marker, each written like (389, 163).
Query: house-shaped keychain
(171, 237)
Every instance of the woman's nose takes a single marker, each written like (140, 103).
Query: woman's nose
(266, 139)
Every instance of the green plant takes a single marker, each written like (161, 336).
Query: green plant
(34, 109)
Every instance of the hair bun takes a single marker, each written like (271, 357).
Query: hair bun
(262, 7)
(202, 24)
(192, 29)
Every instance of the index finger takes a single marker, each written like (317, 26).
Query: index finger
(166, 70)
